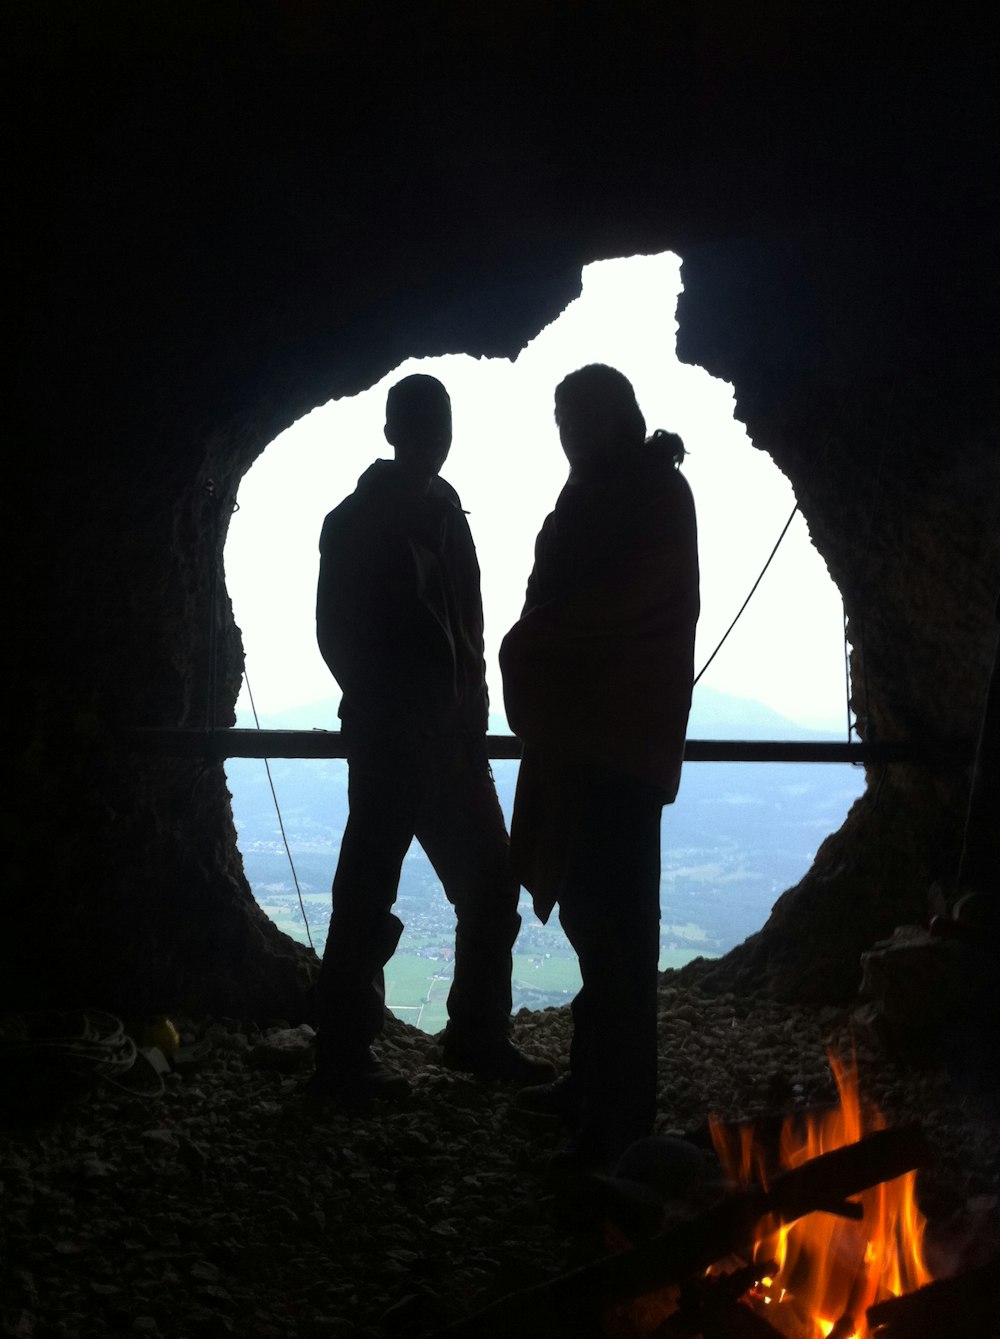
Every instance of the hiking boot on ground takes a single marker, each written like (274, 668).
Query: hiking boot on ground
(560, 1098)
(496, 1060)
(357, 1084)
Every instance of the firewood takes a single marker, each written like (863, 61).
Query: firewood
(731, 1285)
(847, 1171)
(844, 1327)
(852, 1209)
(966, 1305)
(737, 1322)
(703, 1299)
(566, 1303)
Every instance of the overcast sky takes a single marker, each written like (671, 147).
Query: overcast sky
(786, 652)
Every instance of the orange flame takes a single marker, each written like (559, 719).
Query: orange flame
(831, 1269)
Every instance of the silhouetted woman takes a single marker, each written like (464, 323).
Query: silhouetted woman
(597, 684)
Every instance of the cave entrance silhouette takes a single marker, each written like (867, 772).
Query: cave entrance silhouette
(737, 835)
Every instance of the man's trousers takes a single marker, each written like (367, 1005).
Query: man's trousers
(439, 789)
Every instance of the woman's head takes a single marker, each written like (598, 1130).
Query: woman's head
(599, 421)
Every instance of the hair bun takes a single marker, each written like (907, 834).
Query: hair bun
(670, 442)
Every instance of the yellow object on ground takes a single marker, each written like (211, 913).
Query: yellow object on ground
(162, 1033)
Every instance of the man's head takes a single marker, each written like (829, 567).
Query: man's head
(418, 424)
(600, 424)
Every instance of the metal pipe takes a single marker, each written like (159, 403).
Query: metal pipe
(221, 744)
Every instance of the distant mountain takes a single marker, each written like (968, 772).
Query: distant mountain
(313, 716)
(714, 715)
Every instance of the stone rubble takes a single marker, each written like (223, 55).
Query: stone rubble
(228, 1206)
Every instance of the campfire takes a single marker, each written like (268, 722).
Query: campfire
(825, 1270)
(816, 1235)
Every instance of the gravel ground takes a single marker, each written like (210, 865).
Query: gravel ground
(227, 1206)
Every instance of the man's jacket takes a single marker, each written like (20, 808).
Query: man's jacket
(399, 616)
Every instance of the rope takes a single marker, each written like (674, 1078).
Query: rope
(214, 503)
(749, 597)
(847, 675)
(84, 1045)
(281, 823)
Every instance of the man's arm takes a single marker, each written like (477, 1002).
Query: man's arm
(335, 609)
(352, 614)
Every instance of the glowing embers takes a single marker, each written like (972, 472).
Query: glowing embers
(833, 1265)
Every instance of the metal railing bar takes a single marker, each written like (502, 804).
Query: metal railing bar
(239, 743)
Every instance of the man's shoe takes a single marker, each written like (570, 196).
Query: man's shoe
(497, 1060)
(357, 1084)
(560, 1098)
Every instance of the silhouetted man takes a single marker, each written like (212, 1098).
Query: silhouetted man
(400, 624)
(597, 682)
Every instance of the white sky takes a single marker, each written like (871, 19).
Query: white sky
(506, 463)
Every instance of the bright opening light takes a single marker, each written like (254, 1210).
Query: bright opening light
(787, 650)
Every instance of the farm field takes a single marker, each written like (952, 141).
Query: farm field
(417, 987)
(418, 976)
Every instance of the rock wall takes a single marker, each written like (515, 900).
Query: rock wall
(228, 216)
(876, 400)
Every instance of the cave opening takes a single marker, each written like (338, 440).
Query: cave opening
(739, 836)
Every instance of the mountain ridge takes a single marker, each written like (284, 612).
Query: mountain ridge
(714, 715)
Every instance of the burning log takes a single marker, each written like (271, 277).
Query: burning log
(568, 1303)
(731, 1285)
(843, 1209)
(836, 1176)
(736, 1322)
(710, 1306)
(844, 1327)
(967, 1305)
